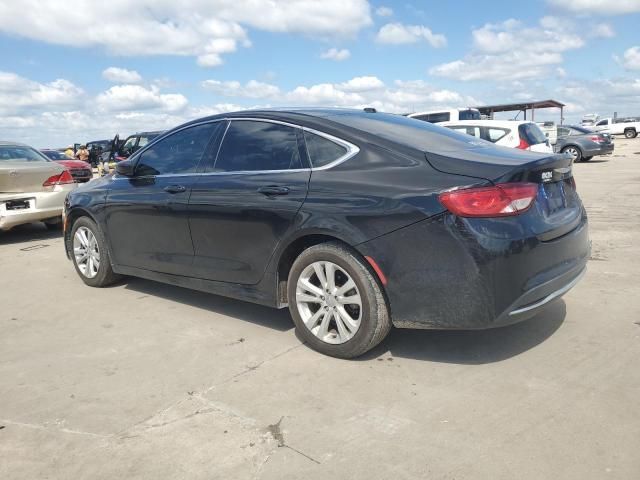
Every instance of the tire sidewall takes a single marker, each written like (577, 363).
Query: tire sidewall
(99, 279)
(360, 275)
(579, 157)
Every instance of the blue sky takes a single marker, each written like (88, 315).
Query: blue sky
(76, 70)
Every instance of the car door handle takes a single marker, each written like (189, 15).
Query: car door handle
(175, 188)
(274, 190)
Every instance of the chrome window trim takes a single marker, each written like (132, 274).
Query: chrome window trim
(352, 150)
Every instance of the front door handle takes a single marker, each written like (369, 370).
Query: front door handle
(175, 189)
(274, 190)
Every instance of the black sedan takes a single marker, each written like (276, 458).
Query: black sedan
(582, 144)
(355, 220)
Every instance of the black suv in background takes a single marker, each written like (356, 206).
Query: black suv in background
(121, 150)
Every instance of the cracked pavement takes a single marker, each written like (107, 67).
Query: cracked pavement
(144, 380)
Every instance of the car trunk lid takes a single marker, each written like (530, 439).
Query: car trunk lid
(557, 209)
(26, 177)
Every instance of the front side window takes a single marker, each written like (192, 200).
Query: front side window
(177, 153)
(128, 145)
(250, 146)
(439, 117)
(322, 151)
(493, 134)
(469, 130)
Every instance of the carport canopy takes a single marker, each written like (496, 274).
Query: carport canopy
(489, 110)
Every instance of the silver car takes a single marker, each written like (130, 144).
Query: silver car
(32, 188)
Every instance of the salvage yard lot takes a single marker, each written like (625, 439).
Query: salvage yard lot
(154, 381)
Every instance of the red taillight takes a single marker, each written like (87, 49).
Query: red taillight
(62, 179)
(597, 139)
(502, 200)
(523, 145)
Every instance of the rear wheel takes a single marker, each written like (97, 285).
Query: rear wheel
(336, 302)
(53, 224)
(575, 153)
(630, 133)
(90, 255)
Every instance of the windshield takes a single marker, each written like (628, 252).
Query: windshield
(17, 153)
(469, 114)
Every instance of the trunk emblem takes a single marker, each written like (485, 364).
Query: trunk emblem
(547, 176)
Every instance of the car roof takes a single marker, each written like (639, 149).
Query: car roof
(13, 144)
(487, 123)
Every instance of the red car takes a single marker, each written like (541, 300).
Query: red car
(80, 171)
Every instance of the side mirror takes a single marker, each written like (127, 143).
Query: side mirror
(126, 168)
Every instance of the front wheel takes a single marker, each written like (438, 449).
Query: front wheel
(575, 153)
(586, 159)
(630, 133)
(90, 255)
(336, 302)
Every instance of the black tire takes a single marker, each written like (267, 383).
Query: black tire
(375, 321)
(586, 159)
(578, 156)
(630, 133)
(105, 275)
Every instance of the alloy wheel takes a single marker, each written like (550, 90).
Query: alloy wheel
(86, 252)
(329, 302)
(573, 152)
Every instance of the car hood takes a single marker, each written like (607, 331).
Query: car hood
(21, 177)
(73, 163)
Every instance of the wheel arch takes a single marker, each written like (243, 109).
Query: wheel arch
(72, 216)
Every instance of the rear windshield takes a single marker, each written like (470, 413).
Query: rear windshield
(469, 115)
(532, 133)
(55, 155)
(423, 136)
(21, 154)
(581, 130)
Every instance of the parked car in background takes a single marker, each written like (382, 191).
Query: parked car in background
(96, 148)
(80, 171)
(581, 143)
(352, 219)
(608, 125)
(121, 150)
(550, 131)
(455, 114)
(507, 133)
(590, 119)
(32, 187)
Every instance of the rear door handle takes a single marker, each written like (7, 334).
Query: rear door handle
(274, 190)
(175, 188)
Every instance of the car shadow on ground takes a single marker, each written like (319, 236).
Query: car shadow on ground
(460, 347)
(248, 312)
(28, 233)
(472, 347)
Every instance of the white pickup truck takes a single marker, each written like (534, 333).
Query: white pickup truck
(607, 125)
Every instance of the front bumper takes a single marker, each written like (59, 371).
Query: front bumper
(445, 273)
(38, 206)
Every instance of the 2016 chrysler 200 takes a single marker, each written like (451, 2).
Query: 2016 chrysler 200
(356, 220)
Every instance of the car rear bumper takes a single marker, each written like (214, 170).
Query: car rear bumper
(448, 273)
(39, 206)
(603, 149)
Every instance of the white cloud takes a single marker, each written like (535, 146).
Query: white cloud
(18, 94)
(362, 84)
(384, 12)
(336, 54)
(510, 51)
(251, 89)
(630, 59)
(600, 7)
(135, 97)
(399, 34)
(603, 30)
(121, 75)
(206, 29)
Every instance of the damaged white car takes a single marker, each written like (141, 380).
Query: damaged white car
(32, 188)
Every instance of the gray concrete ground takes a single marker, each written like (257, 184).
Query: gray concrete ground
(144, 380)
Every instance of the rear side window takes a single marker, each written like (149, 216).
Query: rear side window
(531, 133)
(177, 153)
(563, 132)
(322, 151)
(250, 146)
(469, 130)
(439, 117)
(493, 134)
(601, 122)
